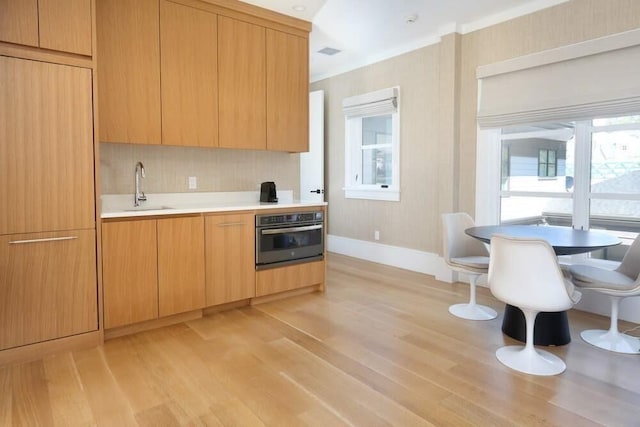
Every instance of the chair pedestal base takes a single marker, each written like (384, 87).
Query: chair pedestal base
(612, 341)
(550, 328)
(530, 360)
(473, 311)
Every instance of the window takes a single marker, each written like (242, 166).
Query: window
(596, 165)
(593, 127)
(546, 163)
(372, 146)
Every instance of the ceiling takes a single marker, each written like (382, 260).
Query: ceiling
(368, 31)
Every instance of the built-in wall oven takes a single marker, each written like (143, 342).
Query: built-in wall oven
(289, 238)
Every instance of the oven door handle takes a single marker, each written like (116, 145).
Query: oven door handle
(291, 229)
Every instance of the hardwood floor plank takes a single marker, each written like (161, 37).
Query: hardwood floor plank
(157, 416)
(108, 405)
(132, 375)
(234, 413)
(6, 396)
(179, 373)
(31, 403)
(68, 400)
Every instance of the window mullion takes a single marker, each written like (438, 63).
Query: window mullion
(582, 176)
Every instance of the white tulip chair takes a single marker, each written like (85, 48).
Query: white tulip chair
(525, 273)
(620, 283)
(466, 254)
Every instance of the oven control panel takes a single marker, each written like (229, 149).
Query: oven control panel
(288, 219)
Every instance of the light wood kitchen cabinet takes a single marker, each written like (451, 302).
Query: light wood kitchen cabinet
(230, 252)
(287, 92)
(181, 265)
(63, 25)
(152, 268)
(46, 147)
(189, 69)
(200, 74)
(47, 286)
(19, 21)
(128, 47)
(129, 272)
(242, 84)
(295, 276)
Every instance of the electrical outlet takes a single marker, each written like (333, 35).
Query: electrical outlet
(376, 235)
(193, 183)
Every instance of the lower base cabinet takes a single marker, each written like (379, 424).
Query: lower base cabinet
(48, 286)
(152, 268)
(296, 276)
(230, 249)
(180, 265)
(129, 272)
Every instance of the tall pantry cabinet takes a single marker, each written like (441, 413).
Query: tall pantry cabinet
(48, 269)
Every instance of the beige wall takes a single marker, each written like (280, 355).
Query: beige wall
(406, 223)
(168, 169)
(438, 130)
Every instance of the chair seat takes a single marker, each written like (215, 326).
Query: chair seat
(599, 279)
(479, 264)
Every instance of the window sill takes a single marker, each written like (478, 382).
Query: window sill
(386, 194)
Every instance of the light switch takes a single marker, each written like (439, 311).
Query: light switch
(193, 183)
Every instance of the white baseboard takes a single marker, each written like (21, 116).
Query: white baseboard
(434, 265)
(395, 256)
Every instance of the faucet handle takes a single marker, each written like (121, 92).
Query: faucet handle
(142, 197)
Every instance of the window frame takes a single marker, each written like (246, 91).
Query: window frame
(489, 188)
(354, 148)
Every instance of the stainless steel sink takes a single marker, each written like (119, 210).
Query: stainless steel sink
(148, 208)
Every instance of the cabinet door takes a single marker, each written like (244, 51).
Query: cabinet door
(46, 147)
(19, 21)
(47, 286)
(230, 251)
(180, 265)
(188, 46)
(242, 84)
(129, 70)
(129, 272)
(287, 92)
(65, 25)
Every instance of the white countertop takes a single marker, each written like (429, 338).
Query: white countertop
(121, 205)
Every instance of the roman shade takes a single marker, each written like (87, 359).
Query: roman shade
(595, 78)
(383, 101)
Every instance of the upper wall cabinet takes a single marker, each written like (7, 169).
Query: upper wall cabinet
(19, 21)
(287, 92)
(201, 74)
(242, 83)
(63, 25)
(129, 71)
(189, 87)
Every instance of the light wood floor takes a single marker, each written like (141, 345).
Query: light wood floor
(378, 348)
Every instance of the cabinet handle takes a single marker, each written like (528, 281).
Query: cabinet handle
(230, 224)
(50, 239)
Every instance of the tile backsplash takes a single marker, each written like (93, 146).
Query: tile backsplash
(168, 169)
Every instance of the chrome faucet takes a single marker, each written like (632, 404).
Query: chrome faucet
(139, 196)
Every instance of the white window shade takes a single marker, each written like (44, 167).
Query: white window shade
(596, 78)
(383, 101)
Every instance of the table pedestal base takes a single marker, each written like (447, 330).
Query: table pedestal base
(550, 329)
